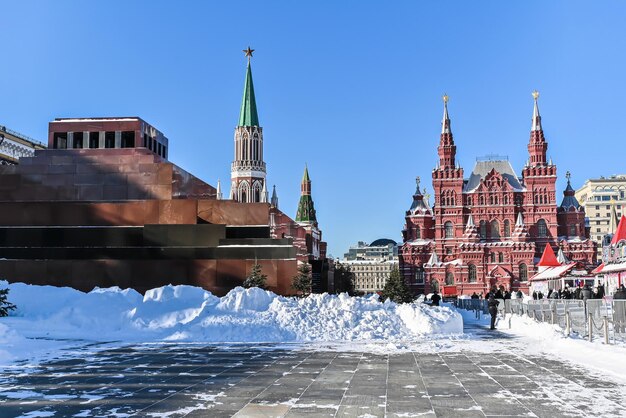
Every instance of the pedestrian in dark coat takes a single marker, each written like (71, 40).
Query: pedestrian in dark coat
(600, 291)
(620, 293)
(586, 293)
(434, 299)
(493, 310)
(519, 294)
(507, 295)
(577, 293)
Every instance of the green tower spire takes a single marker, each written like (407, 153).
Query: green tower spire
(248, 115)
(306, 210)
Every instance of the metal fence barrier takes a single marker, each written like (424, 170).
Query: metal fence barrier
(593, 318)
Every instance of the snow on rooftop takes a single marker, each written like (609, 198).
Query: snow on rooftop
(482, 168)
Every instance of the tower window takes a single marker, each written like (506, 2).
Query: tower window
(419, 275)
(449, 278)
(495, 229)
(523, 272)
(483, 230)
(507, 228)
(542, 228)
(449, 229)
(500, 257)
(472, 273)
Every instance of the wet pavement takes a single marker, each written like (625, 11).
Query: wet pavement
(262, 380)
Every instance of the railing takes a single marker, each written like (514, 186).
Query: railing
(21, 136)
(594, 318)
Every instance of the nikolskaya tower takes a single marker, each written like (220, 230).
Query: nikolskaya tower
(247, 174)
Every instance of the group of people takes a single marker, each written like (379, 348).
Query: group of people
(499, 293)
(583, 293)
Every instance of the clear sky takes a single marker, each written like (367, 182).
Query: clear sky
(352, 88)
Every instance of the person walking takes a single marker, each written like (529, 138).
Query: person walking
(492, 304)
(434, 299)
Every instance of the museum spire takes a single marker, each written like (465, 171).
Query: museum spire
(446, 149)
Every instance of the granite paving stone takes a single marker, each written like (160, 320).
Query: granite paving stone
(265, 380)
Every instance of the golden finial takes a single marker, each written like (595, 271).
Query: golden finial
(535, 94)
(248, 53)
(445, 98)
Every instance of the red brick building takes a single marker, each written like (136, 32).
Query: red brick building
(489, 228)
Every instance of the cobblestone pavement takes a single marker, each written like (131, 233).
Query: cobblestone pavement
(256, 380)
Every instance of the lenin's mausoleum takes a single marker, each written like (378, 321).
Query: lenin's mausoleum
(103, 206)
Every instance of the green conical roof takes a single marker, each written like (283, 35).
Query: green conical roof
(248, 115)
(305, 177)
(306, 210)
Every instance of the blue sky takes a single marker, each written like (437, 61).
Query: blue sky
(351, 88)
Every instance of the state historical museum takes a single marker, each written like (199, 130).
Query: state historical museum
(491, 227)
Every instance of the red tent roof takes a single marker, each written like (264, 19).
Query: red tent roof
(620, 233)
(598, 269)
(548, 259)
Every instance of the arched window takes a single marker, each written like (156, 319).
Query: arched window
(507, 228)
(449, 229)
(493, 257)
(483, 230)
(523, 272)
(434, 285)
(471, 273)
(481, 199)
(542, 228)
(572, 230)
(500, 257)
(495, 229)
(449, 278)
(418, 232)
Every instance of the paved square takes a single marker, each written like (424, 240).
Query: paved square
(257, 380)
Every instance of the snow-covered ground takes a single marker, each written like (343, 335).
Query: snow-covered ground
(51, 322)
(49, 318)
(538, 338)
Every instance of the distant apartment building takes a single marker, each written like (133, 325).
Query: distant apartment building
(601, 197)
(380, 249)
(372, 264)
(14, 145)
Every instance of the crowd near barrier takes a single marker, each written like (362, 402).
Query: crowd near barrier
(591, 319)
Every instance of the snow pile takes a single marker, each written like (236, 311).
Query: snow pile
(187, 313)
(10, 341)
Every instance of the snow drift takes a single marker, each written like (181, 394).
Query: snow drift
(187, 313)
